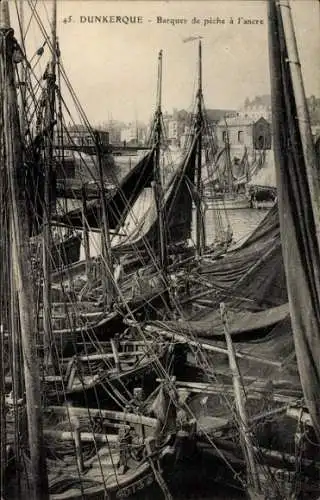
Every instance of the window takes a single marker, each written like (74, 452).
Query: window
(224, 136)
(240, 137)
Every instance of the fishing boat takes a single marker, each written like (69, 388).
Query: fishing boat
(267, 355)
(154, 241)
(227, 191)
(262, 187)
(58, 452)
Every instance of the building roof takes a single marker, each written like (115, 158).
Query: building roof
(236, 121)
(240, 120)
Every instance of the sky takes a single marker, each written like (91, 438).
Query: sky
(113, 66)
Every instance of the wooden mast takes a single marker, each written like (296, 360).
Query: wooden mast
(48, 170)
(5, 290)
(21, 260)
(200, 235)
(157, 176)
(228, 158)
(303, 117)
(60, 135)
(243, 418)
(85, 228)
(17, 382)
(107, 261)
(22, 72)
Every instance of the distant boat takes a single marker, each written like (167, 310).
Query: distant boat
(227, 191)
(262, 187)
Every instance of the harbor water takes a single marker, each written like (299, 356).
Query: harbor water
(242, 222)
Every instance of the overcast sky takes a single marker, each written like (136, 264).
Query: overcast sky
(113, 67)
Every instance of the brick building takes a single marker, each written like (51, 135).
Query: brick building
(242, 131)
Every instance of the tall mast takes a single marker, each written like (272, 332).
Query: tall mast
(60, 137)
(85, 228)
(228, 158)
(303, 117)
(21, 258)
(4, 243)
(107, 261)
(157, 176)
(5, 290)
(48, 170)
(243, 418)
(22, 72)
(200, 236)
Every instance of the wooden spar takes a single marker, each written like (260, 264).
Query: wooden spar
(60, 122)
(39, 478)
(4, 281)
(107, 261)
(115, 354)
(86, 243)
(243, 419)
(304, 283)
(157, 186)
(16, 355)
(3, 433)
(200, 236)
(89, 413)
(212, 348)
(48, 171)
(303, 117)
(228, 158)
(257, 392)
(85, 437)
(22, 72)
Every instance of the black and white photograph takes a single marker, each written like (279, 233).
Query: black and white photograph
(160, 249)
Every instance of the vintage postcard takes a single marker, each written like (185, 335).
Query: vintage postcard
(159, 249)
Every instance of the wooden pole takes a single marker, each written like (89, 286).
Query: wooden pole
(60, 134)
(115, 353)
(228, 159)
(107, 261)
(85, 230)
(200, 236)
(243, 419)
(3, 433)
(22, 261)
(4, 274)
(22, 72)
(303, 117)
(48, 171)
(157, 186)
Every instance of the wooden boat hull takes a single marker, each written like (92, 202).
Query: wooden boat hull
(228, 203)
(279, 469)
(102, 390)
(129, 487)
(149, 460)
(263, 205)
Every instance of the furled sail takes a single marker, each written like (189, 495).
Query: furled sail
(298, 195)
(119, 201)
(177, 209)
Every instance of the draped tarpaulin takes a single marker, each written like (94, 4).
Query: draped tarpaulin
(298, 215)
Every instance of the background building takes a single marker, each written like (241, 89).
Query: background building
(244, 131)
(134, 134)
